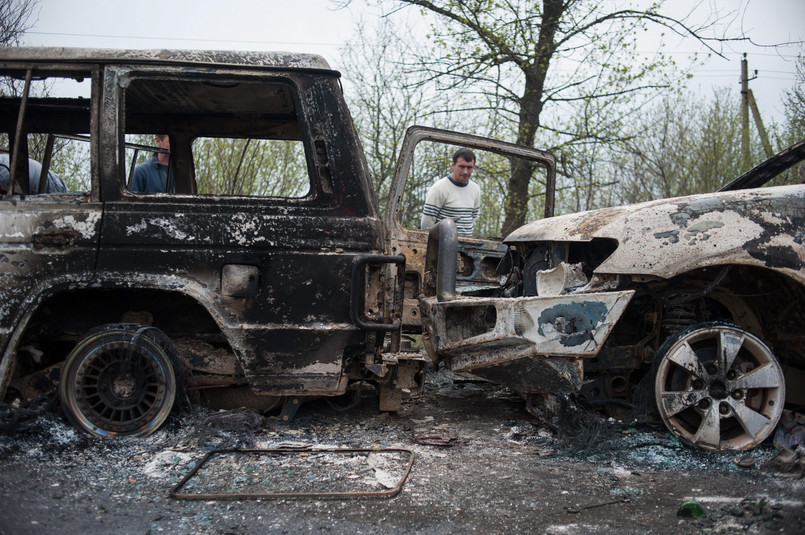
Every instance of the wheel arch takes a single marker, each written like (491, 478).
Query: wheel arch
(766, 302)
(59, 319)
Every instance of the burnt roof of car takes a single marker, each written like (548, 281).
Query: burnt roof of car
(166, 56)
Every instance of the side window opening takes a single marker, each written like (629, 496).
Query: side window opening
(253, 167)
(225, 138)
(432, 162)
(44, 132)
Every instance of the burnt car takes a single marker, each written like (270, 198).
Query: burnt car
(262, 274)
(691, 308)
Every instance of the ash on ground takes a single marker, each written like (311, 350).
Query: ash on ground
(482, 464)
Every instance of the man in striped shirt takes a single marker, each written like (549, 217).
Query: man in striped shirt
(455, 196)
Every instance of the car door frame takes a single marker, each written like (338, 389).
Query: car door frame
(483, 253)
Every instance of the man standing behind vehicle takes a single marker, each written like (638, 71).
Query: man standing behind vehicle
(455, 196)
(151, 176)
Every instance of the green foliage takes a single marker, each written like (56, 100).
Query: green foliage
(266, 168)
(682, 146)
(70, 158)
(384, 100)
(549, 70)
(387, 96)
(795, 105)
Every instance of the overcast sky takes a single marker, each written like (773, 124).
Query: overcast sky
(316, 26)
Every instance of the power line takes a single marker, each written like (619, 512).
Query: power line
(99, 36)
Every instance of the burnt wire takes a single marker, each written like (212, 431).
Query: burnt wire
(588, 433)
(580, 429)
(688, 298)
(243, 423)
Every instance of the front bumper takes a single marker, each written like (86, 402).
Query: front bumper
(530, 344)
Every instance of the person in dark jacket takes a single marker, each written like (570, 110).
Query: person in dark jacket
(55, 184)
(151, 176)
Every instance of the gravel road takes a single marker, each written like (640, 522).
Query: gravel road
(481, 464)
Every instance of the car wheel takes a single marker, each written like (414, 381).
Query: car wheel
(719, 387)
(119, 381)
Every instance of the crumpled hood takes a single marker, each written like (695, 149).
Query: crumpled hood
(764, 227)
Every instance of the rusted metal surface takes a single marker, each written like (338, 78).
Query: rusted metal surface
(217, 58)
(264, 477)
(300, 295)
(571, 325)
(736, 256)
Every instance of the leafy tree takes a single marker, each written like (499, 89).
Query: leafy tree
(387, 99)
(506, 51)
(795, 105)
(681, 146)
(267, 168)
(385, 102)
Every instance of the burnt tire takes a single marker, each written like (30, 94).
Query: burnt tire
(119, 380)
(719, 387)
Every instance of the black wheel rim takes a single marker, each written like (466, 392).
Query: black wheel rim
(120, 388)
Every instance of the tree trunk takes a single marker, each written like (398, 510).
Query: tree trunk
(531, 104)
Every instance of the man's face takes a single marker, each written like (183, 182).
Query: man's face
(462, 170)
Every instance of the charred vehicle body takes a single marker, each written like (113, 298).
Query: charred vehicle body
(264, 274)
(267, 291)
(261, 275)
(691, 306)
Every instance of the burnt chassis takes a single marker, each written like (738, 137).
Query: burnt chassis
(685, 321)
(147, 294)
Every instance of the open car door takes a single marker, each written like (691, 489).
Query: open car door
(425, 158)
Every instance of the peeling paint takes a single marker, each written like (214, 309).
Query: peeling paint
(667, 237)
(170, 228)
(704, 226)
(87, 228)
(572, 324)
(671, 236)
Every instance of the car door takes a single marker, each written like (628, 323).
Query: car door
(48, 240)
(424, 158)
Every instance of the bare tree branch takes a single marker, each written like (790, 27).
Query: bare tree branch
(16, 17)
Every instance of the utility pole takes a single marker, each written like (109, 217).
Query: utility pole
(747, 103)
(745, 159)
(761, 130)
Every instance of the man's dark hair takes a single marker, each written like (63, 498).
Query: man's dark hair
(464, 154)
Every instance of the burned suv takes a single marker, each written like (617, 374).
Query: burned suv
(692, 307)
(261, 274)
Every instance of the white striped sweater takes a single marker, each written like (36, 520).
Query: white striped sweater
(447, 199)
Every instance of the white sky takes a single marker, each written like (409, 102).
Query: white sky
(316, 26)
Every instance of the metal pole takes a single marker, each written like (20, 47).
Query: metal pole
(745, 159)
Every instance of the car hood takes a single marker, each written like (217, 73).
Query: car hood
(764, 226)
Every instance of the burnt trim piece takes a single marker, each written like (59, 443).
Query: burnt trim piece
(765, 171)
(355, 296)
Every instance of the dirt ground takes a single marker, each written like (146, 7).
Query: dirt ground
(481, 464)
